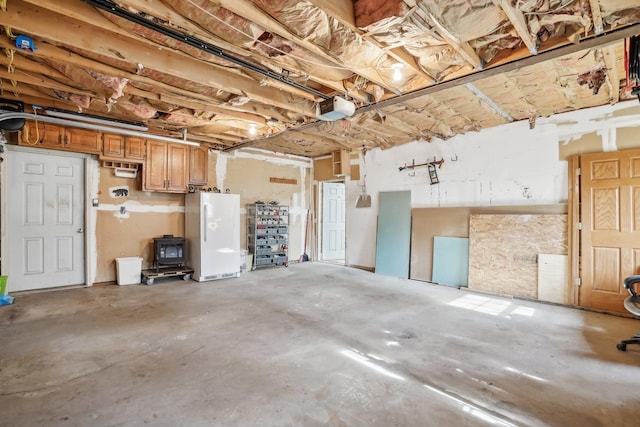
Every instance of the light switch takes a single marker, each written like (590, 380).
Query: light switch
(94, 202)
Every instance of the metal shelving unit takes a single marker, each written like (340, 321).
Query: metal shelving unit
(268, 234)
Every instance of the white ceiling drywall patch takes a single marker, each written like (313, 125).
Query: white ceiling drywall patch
(272, 157)
(608, 139)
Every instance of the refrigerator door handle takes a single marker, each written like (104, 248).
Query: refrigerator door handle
(204, 222)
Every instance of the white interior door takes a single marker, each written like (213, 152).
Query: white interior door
(45, 220)
(333, 220)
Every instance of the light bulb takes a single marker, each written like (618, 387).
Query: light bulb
(397, 74)
(252, 131)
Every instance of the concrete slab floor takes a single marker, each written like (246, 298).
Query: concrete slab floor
(310, 345)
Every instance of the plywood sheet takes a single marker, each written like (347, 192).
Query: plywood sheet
(451, 260)
(454, 222)
(503, 251)
(553, 271)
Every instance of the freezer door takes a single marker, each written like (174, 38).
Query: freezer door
(220, 242)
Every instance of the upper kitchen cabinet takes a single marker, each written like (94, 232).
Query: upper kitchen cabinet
(198, 165)
(125, 148)
(166, 167)
(47, 135)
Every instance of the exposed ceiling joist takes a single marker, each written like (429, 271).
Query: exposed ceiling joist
(517, 19)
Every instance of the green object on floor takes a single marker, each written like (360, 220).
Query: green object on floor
(3, 285)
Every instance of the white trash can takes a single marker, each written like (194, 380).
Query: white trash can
(129, 270)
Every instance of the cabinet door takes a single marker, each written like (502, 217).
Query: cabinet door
(112, 145)
(45, 136)
(82, 140)
(177, 168)
(155, 168)
(134, 148)
(198, 165)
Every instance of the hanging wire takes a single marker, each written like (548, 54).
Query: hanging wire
(8, 31)
(11, 55)
(25, 132)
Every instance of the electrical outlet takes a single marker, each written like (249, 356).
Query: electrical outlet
(123, 210)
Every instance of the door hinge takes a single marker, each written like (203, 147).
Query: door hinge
(579, 226)
(578, 281)
(578, 171)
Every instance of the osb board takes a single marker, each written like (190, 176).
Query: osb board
(553, 273)
(503, 251)
(454, 222)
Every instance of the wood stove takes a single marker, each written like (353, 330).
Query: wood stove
(169, 251)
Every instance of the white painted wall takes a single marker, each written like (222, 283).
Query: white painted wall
(506, 165)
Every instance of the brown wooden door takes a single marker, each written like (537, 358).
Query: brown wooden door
(134, 148)
(198, 165)
(82, 140)
(45, 136)
(112, 146)
(155, 168)
(610, 216)
(177, 168)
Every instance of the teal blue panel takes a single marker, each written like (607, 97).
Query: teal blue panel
(394, 234)
(451, 261)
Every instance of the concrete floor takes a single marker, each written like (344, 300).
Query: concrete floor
(310, 345)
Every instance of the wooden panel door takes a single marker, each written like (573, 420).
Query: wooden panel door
(610, 214)
(198, 165)
(82, 140)
(112, 145)
(134, 148)
(45, 135)
(155, 168)
(177, 168)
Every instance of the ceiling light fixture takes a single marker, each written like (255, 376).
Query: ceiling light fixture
(252, 130)
(397, 74)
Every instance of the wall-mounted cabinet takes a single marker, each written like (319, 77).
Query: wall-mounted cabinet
(198, 165)
(166, 167)
(119, 147)
(341, 162)
(47, 135)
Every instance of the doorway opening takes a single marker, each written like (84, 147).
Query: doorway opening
(332, 241)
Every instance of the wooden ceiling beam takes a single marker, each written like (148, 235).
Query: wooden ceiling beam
(464, 49)
(590, 43)
(613, 78)
(166, 93)
(42, 81)
(180, 23)
(596, 17)
(250, 11)
(342, 11)
(87, 34)
(22, 63)
(517, 19)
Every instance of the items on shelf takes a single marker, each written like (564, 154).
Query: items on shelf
(268, 234)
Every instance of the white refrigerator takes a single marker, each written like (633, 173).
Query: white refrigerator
(212, 232)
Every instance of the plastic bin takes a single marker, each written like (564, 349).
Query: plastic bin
(129, 270)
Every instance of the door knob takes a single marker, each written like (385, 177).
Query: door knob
(80, 230)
